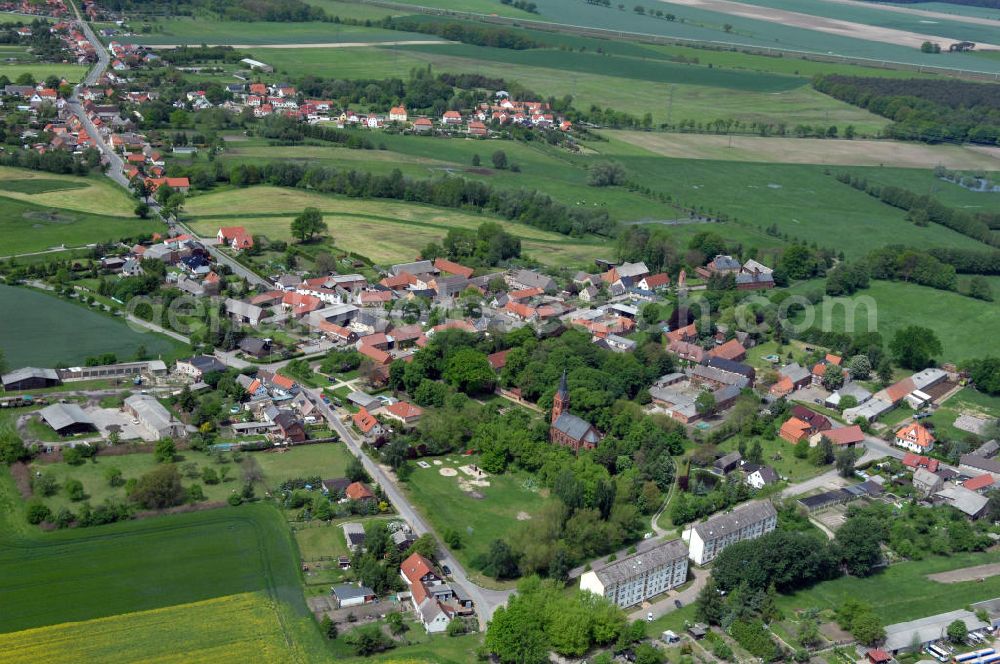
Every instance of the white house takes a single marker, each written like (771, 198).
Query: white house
(761, 477)
(638, 577)
(749, 521)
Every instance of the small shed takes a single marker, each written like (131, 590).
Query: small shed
(348, 594)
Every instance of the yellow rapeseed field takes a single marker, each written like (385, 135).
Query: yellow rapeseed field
(236, 628)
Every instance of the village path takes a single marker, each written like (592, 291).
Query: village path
(485, 599)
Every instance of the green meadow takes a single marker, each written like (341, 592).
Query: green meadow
(966, 327)
(38, 334)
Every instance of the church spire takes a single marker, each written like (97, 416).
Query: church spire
(560, 402)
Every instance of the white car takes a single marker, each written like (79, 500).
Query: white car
(649, 617)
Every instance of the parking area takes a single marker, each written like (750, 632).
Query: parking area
(112, 419)
(810, 394)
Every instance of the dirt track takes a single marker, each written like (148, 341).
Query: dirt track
(960, 18)
(966, 574)
(821, 23)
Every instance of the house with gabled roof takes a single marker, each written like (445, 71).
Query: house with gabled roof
(915, 438)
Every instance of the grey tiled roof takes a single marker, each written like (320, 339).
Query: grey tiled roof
(575, 427)
(637, 564)
(723, 524)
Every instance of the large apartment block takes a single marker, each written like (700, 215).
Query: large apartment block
(642, 575)
(747, 522)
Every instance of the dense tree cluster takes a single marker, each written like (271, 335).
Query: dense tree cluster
(489, 245)
(541, 617)
(529, 207)
(465, 32)
(597, 497)
(283, 11)
(985, 374)
(922, 209)
(914, 532)
(894, 263)
(921, 109)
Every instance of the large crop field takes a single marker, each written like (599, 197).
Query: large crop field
(42, 70)
(244, 627)
(707, 22)
(38, 334)
(804, 201)
(896, 305)
(25, 227)
(814, 150)
(83, 574)
(670, 91)
(748, 88)
(402, 229)
(874, 15)
(202, 31)
(95, 194)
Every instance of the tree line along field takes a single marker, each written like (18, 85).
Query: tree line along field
(207, 31)
(965, 326)
(805, 201)
(37, 334)
(402, 229)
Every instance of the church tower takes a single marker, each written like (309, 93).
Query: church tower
(560, 402)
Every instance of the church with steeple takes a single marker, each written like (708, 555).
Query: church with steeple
(568, 429)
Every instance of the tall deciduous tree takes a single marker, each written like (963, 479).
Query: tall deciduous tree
(308, 224)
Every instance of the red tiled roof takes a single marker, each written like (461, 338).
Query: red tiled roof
(358, 491)
(414, 569)
(794, 430)
(450, 267)
(845, 435)
(897, 391)
(683, 333)
(525, 293)
(977, 483)
(731, 350)
(379, 356)
(878, 656)
(335, 330)
(364, 420)
(498, 360)
(404, 410)
(657, 280)
(917, 434)
(284, 382)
